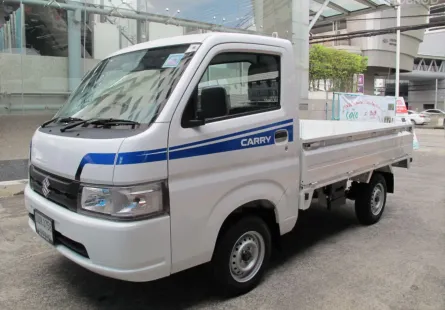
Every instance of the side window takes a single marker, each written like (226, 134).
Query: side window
(234, 85)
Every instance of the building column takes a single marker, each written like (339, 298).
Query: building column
(369, 81)
(290, 20)
(258, 8)
(300, 40)
(74, 49)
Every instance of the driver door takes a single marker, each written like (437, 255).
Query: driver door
(245, 145)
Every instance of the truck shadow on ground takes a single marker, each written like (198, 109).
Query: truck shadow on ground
(193, 287)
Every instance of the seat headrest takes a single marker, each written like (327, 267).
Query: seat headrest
(214, 102)
(260, 80)
(260, 68)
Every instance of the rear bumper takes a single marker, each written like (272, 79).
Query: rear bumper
(132, 251)
(421, 121)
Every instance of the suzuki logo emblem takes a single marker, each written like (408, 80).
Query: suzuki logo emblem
(45, 187)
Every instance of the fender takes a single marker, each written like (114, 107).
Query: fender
(232, 200)
(260, 190)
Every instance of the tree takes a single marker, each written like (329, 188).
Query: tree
(337, 66)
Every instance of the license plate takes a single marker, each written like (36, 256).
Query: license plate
(44, 226)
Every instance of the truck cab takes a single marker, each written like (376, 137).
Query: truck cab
(183, 151)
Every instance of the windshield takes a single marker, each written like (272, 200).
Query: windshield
(132, 86)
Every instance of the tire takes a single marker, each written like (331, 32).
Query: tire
(252, 235)
(371, 200)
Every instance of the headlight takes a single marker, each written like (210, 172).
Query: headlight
(125, 202)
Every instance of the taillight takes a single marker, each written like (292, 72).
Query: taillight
(421, 115)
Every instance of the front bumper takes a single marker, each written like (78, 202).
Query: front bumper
(132, 251)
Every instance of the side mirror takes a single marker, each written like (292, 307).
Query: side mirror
(199, 120)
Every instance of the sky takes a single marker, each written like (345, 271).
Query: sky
(211, 11)
(224, 12)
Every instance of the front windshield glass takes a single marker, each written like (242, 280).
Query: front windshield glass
(132, 86)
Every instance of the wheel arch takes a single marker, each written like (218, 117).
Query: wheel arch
(388, 174)
(263, 208)
(262, 197)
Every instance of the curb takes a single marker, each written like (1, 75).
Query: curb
(12, 188)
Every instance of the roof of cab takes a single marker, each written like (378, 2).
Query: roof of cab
(187, 39)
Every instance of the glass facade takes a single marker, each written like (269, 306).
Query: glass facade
(46, 47)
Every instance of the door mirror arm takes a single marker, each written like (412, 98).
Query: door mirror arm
(199, 120)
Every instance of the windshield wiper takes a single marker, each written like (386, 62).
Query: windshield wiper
(61, 120)
(104, 122)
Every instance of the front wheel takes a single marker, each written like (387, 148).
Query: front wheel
(371, 200)
(242, 255)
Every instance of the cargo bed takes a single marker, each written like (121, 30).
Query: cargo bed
(337, 150)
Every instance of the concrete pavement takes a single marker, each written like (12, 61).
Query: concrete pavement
(16, 132)
(15, 135)
(14, 169)
(327, 262)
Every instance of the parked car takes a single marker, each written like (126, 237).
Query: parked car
(436, 112)
(418, 118)
(433, 112)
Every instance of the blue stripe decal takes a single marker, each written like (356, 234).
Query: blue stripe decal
(141, 157)
(289, 121)
(97, 159)
(246, 142)
(259, 139)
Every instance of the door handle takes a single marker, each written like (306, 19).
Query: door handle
(281, 136)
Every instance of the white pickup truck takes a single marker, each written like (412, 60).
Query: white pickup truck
(187, 150)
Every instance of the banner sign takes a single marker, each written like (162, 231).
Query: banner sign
(353, 107)
(357, 107)
(401, 111)
(401, 106)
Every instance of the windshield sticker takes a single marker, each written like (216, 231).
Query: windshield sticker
(172, 61)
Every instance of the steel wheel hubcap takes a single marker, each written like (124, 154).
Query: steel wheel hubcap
(377, 199)
(247, 256)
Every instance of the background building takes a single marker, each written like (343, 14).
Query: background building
(422, 52)
(46, 46)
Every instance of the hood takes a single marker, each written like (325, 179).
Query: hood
(102, 161)
(87, 160)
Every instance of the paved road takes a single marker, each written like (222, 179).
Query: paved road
(328, 261)
(16, 132)
(16, 169)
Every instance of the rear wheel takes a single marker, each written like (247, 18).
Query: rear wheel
(242, 255)
(371, 200)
